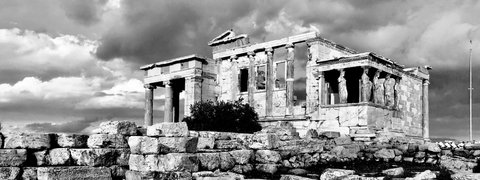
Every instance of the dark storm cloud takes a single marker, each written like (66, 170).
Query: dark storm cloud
(156, 30)
(85, 12)
(67, 127)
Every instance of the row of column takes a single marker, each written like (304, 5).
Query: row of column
(270, 80)
(193, 94)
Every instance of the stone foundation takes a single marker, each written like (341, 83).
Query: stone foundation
(173, 152)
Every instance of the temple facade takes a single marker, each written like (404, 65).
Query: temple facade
(305, 79)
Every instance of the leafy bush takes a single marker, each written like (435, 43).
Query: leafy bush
(223, 116)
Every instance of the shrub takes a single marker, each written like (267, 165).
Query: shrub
(223, 116)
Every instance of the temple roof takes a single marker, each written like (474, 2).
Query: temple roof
(174, 60)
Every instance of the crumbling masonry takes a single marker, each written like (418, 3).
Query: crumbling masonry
(356, 94)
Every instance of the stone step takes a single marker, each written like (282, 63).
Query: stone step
(74, 172)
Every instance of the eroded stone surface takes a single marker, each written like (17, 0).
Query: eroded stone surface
(27, 141)
(293, 177)
(330, 173)
(9, 173)
(267, 156)
(118, 127)
(242, 156)
(107, 141)
(74, 172)
(168, 129)
(12, 157)
(58, 156)
(29, 173)
(99, 157)
(226, 161)
(207, 175)
(394, 172)
(205, 143)
(209, 161)
(71, 140)
(164, 163)
(267, 168)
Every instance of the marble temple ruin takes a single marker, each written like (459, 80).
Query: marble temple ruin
(305, 79)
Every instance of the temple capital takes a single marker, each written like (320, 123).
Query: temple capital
(149, 86)
(289, 45)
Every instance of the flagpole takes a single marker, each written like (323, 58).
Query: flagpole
(470, 89)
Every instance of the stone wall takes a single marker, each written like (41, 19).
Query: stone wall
(171, 151)
(67, 156)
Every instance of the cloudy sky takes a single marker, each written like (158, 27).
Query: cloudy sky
(66, 65)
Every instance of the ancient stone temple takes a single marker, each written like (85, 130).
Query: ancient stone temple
(305, 79)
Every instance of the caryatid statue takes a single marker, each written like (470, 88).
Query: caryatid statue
(366, 86)
(396, 87)
(378, 89)
(389, 85)
(342, 87)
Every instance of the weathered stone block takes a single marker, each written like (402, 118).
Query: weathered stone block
(330, 173)
(178, 144)
(242, 156)
(1, 141)
(9, 173)
(29, 173)
(107, 141)
(226, 161)
(27, 141)
(206, 175)
(209, 161)
(122, 156)
(143, 145)
(385, 154)
(40, 158)
(12, 157)
(293, 177)
(267, 156)
(118, 127)
(216, 135)
(264, 141)
(267, 168)
(71, 140)
(168, 129)
(243, 169)
(97, 157)
(227, 144)
(118, 172)
(164, 163)
(74, 172)
(394, 172)
(58, 156)
(141, 175)
(205, 143)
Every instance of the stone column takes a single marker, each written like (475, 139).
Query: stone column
(235, 84)
(168, 108)
(251, 78)
(426, 126)
(290, 78)
(148, 119)
(270, 83)
(193, 92)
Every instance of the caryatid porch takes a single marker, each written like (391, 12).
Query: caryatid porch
(189, 73)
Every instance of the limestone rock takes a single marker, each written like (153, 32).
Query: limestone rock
(216, 135)
(94, 157)
(267, 156)
(242, 156)
(264, 141)
(429, 146)
(40, 157)
(465, 176)
(293, 177)
(143, 145)
(330, 134)
(168, 129)
(107, 141)
(27, 141)
(330, 173)
(58, 156)
(29, 173)
(12, 157)
(343, 141)
(71, 140)
(74, 172)
(164, 163)
(207, 175)
(141, 175)
(178, 144)
(385, 154)
(298, 171)
(267, 168)
(425, 175)
(394, 172)
(205, 143)
(226, 161)
(311, 134)
(118, 172)
(122, 156)
(209, 161)
(227, 144)
(9, 173)
(118, 127)
(242, 169)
